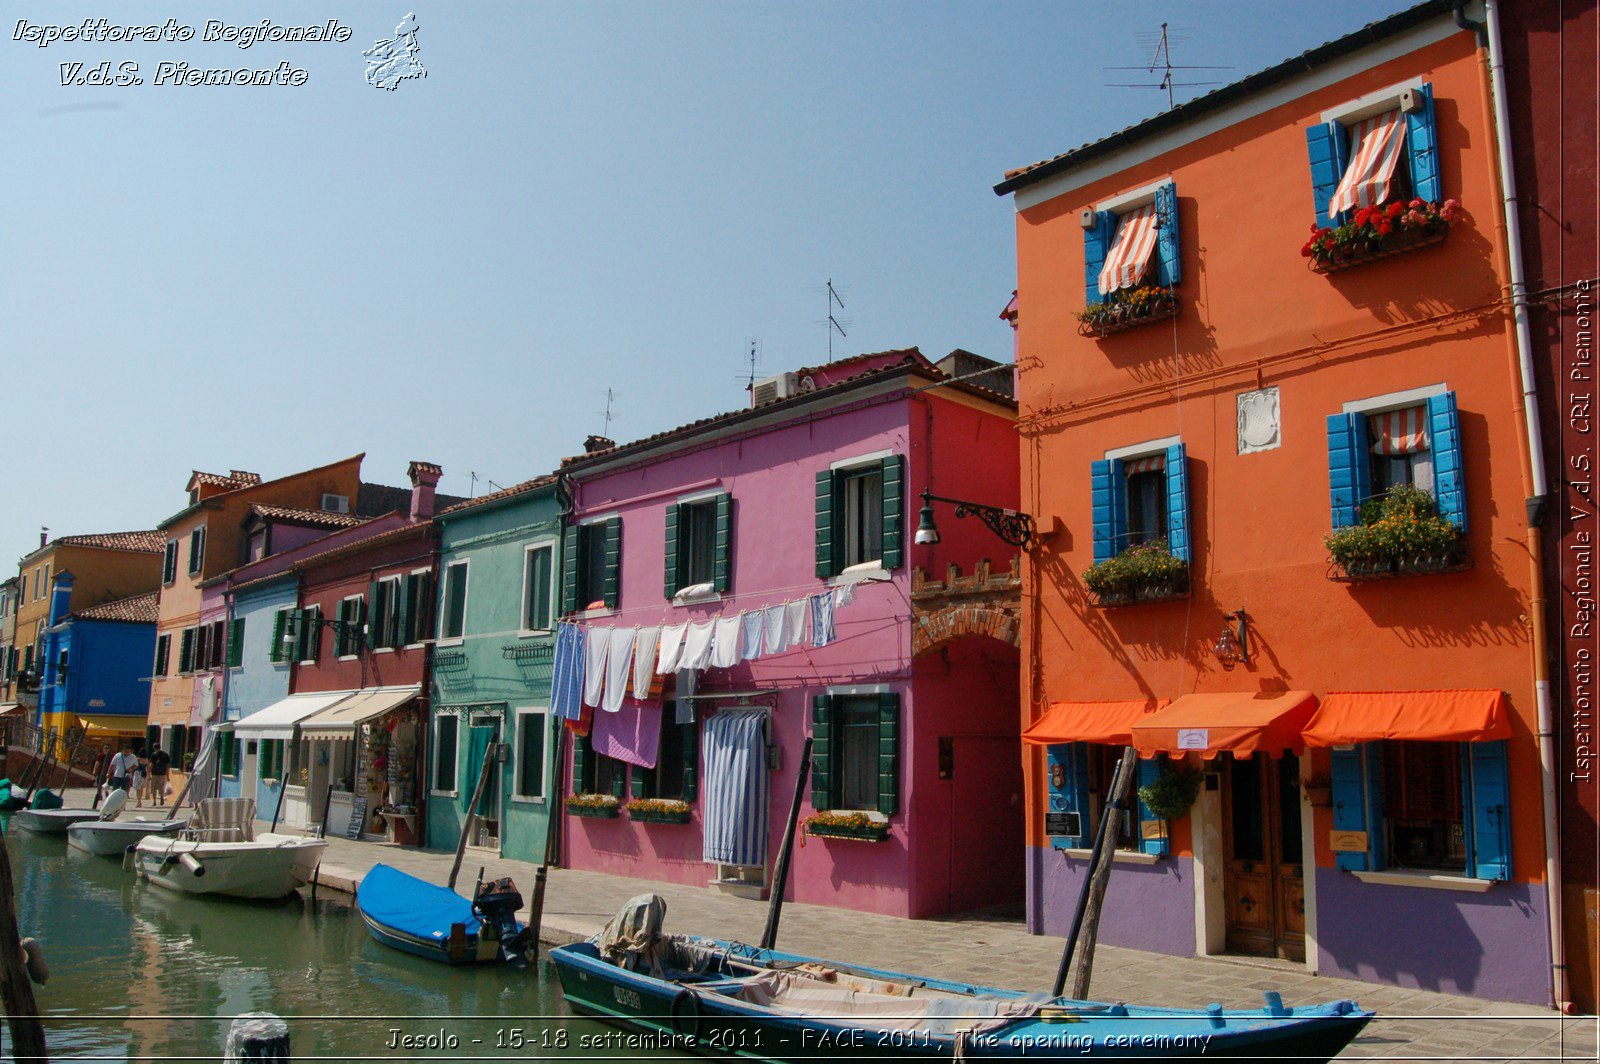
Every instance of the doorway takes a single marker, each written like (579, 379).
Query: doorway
(1264, 884)
(482, 730)
(988, 850)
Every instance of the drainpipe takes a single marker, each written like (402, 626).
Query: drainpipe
(1537, 500)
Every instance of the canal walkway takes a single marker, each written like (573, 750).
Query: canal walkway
(1413, 1024)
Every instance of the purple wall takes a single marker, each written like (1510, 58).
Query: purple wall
(1149, 907)
(1489, 945)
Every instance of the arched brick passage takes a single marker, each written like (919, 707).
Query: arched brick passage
(934, 630)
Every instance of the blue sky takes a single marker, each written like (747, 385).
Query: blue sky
(579, 196)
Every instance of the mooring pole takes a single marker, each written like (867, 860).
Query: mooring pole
(472, 810)
(780, 884)
(552, 840)
(16, 991)
(327, 804)
(1078, 913)
(257, 1036)
(1118, 802)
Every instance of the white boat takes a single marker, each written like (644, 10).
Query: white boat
(111, 838)
(221, 854)
(57, 821)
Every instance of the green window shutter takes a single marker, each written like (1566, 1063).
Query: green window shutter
(186, 651)
(236, 643)
(279, 621)
(225, 755)
(1150, 770)
(619, 785)
(826, 568)
(163, 655)
(670, 575)
(613, 579)
(580, 764)
(402, 612)
(888, 753)
(691, 759)
(424, 622)
(723, 567)
(894, 511)
(569, 569)
(639, 782)
(341, 637)
(821, 752)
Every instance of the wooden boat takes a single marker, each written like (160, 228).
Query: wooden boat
(731, 999)
(110, 838)
(425, 920)
(52, 821)
(219, 853)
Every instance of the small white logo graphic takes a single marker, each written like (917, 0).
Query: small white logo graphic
(393, 61)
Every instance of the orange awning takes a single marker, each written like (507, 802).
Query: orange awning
(1241, 723)
(1440, 716)
(1089, 722)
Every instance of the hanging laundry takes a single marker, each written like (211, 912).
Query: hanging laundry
(566, 673)
(645, 646)
(822, 632)
(725, 646)
(750, 644)
(583, 722)
(684, 697)
(773, 620)
(596, 642)
(671, 648)
(619, 668)
(631, 734)
(733, 745)
(844, 594)
(794, 622)
(697, 646)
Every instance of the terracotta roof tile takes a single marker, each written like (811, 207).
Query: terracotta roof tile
(138, 609)
(319, 518)
(149, 542)
(503, 493)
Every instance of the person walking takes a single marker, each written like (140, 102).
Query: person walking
(123, 766)
(137, 781)
(160, 764)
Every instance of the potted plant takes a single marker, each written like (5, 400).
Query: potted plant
(1400, 534)
(1146, 572)
(1170, 794)
(658, 810)
(1127, 307)
(846, 824)
(1376, 232)
(600, 806)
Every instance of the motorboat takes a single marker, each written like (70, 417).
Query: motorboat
(111, 838)
(47, 821)
(425, 920)
(220, 853)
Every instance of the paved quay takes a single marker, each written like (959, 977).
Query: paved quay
(1412, 1024)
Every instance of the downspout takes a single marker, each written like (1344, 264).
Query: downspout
(1538, 499)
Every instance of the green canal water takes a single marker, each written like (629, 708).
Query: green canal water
(142, 973)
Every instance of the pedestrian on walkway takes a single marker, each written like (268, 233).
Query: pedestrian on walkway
(122, 767)
(160, 763)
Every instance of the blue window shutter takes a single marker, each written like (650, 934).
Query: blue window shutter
(1349, 804)
(1097, 240)
(1348, 470)
(1178, 502)
(1326, 144)
(1101, 499)
(1168, 270)
(1422, 149)
(1071, 794)
(1150, 770)
(1490, 855)
(1449, 478)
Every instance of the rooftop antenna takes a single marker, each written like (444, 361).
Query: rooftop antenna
(610, 397)
(753, 357)
(1162, 60)
(833, 321)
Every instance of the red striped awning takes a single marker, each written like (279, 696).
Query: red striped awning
(1375, 147)
(1129, 257)
(1399, 432)
(1149, 464)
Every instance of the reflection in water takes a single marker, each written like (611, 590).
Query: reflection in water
(138, 971)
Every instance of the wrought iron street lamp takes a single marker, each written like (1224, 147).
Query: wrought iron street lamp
(1012, 526)
(1233, 645)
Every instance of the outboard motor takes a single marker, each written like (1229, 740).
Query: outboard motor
(496, 903)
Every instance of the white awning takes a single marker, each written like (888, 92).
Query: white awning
(277, 721)
(340, 720)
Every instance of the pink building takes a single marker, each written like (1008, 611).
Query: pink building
(802, 505)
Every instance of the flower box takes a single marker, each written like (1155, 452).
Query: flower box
(1400, 533)
(1103, 319)
(597, 812)
(1355, 571)
(873, 831)
(1361, 253)
(1155, 591)
(1380, 232)
(599, 806)
(1145, 572)
(659, 813)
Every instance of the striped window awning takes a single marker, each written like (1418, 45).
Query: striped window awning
(1376, 145)
(1150, 463)
(1399, 432)
(1129, 258)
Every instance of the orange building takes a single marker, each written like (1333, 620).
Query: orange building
(1295, 566)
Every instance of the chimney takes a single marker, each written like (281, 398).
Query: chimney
(596, 444)
(424, 479)
(44, 536)
(60, 597)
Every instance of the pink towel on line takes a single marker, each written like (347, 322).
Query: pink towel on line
(632, 734)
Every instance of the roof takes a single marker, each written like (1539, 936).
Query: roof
(911, 360)
(319, 518)
(143, 542)
(374, 500)
(138, 609)
(335, 553)
(1370, 34)
(504, 493)
(236, 478)
(246, 484)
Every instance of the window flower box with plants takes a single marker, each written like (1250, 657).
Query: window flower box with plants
(1400, 534)
(1147, 572)
(1379, 232)
(658, 811)
(1127, 307)
(600, 806)
(847, 825)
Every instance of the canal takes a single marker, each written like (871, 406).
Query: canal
(142, 973)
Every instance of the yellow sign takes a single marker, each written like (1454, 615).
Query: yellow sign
(1347, 841)
(1152, 829)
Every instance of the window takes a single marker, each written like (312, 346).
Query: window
(591, 560)
(255, 547)
(1131, 241)
(163, 653)
(453, 610)
(1139, 495)
(856, 751)
(446, 728)
(228, 755)
(1080, 778)
(386, 599)
(1378, 444)
(677, 761)
(594, 773)
(22, 588)
(197, 550)
(538, 576)
(202, 648)
(418, 603)
(236, 643)
(860, 515)
(169, 562)
(347, 637)
(278, 652)
(270, 759)
(308, 635)
(214, 641)
(1397, 125)
(297, 763)
(44, 585)
(1433, 807)
(531, 767)
(61, 668)
(38, 584)
(186, 652)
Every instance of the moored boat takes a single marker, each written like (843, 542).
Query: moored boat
(110, 838)
(221, 854)
(52, 821)
(425, 920)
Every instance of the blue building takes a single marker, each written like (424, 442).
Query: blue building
(96, 666)
(259, 680)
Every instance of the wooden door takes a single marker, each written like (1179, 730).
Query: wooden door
(988, 847)
(1265, 885)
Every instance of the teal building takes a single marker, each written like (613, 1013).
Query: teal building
(499, 564)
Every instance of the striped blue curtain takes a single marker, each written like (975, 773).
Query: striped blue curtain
(735, 788)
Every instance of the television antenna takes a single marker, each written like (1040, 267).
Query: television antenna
(1161, 60)
(832, 321)
(753, 357)
(609, 416)
(472, 491)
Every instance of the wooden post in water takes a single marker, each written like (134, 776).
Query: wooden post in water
(16, 991)
(257, 1036)
(780, 883)
(1105, 847)
(552, 841)
(489, 760)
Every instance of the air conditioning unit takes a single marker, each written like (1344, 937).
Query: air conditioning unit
(336, 504)
(772, 389)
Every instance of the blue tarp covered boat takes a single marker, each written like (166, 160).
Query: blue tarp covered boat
(413, 915)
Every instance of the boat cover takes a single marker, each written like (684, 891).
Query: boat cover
(633, 938)
(410, 905)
